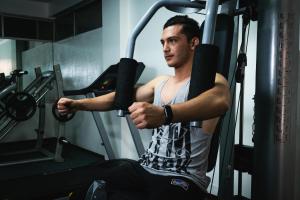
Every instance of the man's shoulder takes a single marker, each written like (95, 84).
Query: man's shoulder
(162, 77)
(159, 79)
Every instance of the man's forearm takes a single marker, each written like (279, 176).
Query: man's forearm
(100, 103)
(210, 104)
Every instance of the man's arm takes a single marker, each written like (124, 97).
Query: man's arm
(145, 93)
(105, 102)
(100, 103)
(206, 106)
(210, 104)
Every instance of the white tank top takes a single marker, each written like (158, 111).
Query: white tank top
(178, 150)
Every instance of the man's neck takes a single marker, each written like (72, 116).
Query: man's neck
(182, 73)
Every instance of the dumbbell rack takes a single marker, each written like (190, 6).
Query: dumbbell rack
(37, 89)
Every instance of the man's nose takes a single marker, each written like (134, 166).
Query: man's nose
(166, 47)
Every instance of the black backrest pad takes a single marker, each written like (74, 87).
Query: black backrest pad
(223, 39)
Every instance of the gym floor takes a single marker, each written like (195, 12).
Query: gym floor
(46, 179)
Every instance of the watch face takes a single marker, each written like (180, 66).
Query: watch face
(168, 114)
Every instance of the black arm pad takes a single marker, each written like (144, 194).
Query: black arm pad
(204, 69)
(125, 83)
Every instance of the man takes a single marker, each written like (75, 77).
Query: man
(174, 165)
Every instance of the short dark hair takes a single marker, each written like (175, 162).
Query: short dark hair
(190, 27)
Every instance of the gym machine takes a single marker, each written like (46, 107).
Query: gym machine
(9, 84)
(276, 165)
(274, 159)
(216, 43)
(20, 105)
(104, 84)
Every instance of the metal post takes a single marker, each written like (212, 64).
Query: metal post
(208, 33)
(276, 98)
(210, 21)
(61, 128)
(227, 135)
(41, 127)
(136, 137)
(297, 171)
(102, 131)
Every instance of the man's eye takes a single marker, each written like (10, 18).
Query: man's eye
(172, 41)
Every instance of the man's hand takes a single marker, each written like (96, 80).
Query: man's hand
(66, 106)
(146, 115)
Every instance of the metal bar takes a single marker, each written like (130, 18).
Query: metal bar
(43, 151)
(241, 134)
(41, 96)
(7, 90)
(148, 15)
(102, 131)
(40, 130)
(2, 114)
(24, 161)
(32, 84)
(42, 86)
(4, 132)
(227, 135)
(5, 121)
(210, 21)
(136, 137)
(59, 147)
(61, 128)
(59, 80)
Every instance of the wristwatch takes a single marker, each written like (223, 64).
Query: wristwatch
(168, 114)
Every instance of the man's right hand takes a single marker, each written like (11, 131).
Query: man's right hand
(66, 106)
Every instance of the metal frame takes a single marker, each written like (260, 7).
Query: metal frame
(96, 115)
(148, 15)
(61, 127)
(102, 131)
(38, 91)
(208, 35)
(276, 139)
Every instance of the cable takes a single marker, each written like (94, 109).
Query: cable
(247, 38)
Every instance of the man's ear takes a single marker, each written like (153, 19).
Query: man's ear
(195, 42)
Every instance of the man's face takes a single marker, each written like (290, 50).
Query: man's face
(177, 49)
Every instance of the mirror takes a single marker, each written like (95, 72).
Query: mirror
(7, 56)
(25, 55)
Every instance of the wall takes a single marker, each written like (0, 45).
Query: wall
(39, 56)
